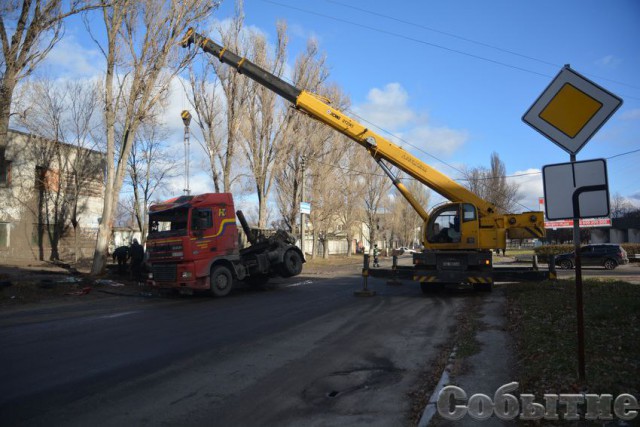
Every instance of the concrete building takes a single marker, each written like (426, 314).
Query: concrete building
(51, 198)
(622, 230)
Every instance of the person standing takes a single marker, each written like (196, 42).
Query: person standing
(376, 254)
(122, 255)
(137, 256)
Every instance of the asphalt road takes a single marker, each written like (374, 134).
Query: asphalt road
(307, 353)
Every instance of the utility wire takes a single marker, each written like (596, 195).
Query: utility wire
(424, 42)
(623, 154)
(402, 36)
(424, 27)
(500, 49)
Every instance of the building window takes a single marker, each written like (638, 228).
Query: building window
(5, 170)
(4, 235)
(47, 180)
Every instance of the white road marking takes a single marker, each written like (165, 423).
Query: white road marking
(113, 316)
(306, 282)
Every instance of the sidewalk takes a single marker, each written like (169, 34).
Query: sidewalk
(491, 367)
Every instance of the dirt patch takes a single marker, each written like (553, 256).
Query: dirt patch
(32, 282)
(332, 266)
(25, 283)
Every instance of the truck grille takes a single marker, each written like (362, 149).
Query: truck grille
(164, 272)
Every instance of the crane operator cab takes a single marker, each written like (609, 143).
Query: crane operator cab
(453, 223)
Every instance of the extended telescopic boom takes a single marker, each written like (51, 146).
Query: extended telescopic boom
(379, 147)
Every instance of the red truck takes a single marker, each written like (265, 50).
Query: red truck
(193, 245)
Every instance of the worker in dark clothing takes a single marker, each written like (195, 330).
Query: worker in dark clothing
(122, 255)
(137, 256)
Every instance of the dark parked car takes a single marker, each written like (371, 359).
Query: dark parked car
(607, 255)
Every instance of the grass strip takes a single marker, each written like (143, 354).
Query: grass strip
(542, 320)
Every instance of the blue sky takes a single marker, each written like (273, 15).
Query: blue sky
(453, 79)
(461, 95)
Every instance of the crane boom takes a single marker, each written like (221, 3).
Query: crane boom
(458, 236)
(377, 146)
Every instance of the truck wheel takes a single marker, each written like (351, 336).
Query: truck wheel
(221, 281)
(291, 264)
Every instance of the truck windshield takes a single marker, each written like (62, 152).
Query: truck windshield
(172, 222)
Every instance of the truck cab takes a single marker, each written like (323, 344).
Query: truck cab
(193, 245)
(187, 234)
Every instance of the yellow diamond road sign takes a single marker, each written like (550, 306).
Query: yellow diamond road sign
(571, 110)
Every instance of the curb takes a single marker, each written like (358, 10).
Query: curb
(430, 409)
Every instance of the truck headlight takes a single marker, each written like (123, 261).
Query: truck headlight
(150, 276)
(186, 275)
(177, 254)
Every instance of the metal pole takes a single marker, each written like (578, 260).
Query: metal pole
(186, 119)
(579, 293)
(187, 190)
(302, 166)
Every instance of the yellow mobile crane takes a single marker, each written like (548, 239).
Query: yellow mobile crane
(458, 236)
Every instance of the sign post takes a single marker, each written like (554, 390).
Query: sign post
(569, 112)
(303, 161)
(579, 292)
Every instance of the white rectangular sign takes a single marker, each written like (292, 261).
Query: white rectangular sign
(576, 190)
(305, 208)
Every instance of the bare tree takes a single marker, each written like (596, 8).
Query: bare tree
(620, 206)
(262, 135)
(37, 27)
(208, 106)
(149, 166)
(310, 73)
(218, 95)
(350, 183)
(376, 192)
(405, 221)
(322, 177)
(491, 184)
(236, 92)
(67, 167)
(141, 52)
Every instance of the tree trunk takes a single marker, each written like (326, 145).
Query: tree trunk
(325, 248)
(104, 234)
(314, 247)
(75, 243)
(6, 95)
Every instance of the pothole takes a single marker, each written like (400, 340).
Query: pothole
(341, 384)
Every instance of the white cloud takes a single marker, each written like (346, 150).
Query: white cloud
(440, 140)
(609, 61)
(530, 187)
(388, 109)
(70, 59)
(299, 31)
(199, 183)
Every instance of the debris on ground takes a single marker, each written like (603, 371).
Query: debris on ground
(108, 282)
(83, 291)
